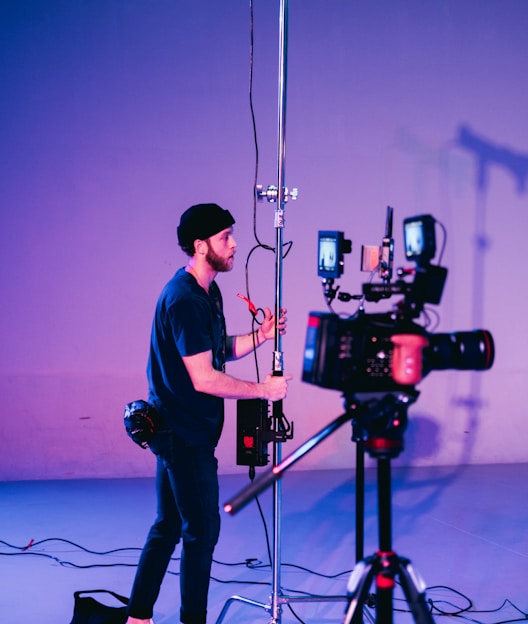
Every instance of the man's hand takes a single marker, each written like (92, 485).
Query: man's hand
(267, 327)
(276, 387)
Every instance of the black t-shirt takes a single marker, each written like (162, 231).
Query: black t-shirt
(187, 321)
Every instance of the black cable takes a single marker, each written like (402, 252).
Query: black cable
(438, 607)
(260, 244)
(458, 609)
(33, 543)
(444, 242)
(251, 563)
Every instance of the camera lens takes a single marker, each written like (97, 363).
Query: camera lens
(472, 350)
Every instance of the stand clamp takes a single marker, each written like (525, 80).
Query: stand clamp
(271, 193)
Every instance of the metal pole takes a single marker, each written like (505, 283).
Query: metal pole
(281, 174)
(281, 197)
(278, 363)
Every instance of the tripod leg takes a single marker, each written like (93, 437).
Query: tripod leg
(360, 499)
(414, 589)
(358, 587)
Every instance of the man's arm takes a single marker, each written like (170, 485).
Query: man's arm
(207, 379)
(239, 346)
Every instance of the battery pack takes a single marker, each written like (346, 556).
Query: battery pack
(252, 424)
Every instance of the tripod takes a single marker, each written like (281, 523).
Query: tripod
(380, 424)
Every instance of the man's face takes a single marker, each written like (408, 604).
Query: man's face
(221, 250)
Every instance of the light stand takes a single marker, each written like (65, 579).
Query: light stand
(278, 361)
(279, 195)
(279, 432)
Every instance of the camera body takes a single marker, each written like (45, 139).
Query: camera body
(350, 354)
(357, 354)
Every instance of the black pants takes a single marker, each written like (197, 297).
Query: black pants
(187, 494)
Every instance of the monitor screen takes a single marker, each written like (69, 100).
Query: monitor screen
(330, 254)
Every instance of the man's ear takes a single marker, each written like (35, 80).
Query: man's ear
(200, 247)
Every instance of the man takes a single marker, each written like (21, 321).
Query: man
(188, 385)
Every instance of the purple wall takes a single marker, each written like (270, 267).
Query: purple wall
(116, 116)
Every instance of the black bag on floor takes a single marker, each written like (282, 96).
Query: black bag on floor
(87, 610)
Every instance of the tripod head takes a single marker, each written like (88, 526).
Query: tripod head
(379, 421)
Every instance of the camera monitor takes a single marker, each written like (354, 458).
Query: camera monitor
(331, 249)
(419, 238)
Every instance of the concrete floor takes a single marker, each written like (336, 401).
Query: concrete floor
(464, 528)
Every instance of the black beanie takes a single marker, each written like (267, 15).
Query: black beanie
(201, 222)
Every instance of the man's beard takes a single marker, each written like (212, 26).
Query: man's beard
(218, 264)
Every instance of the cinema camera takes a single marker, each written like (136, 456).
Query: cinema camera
(390, 351)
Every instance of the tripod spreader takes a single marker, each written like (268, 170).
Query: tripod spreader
(383, 568)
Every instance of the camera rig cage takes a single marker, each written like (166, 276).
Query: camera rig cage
(390, 351)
